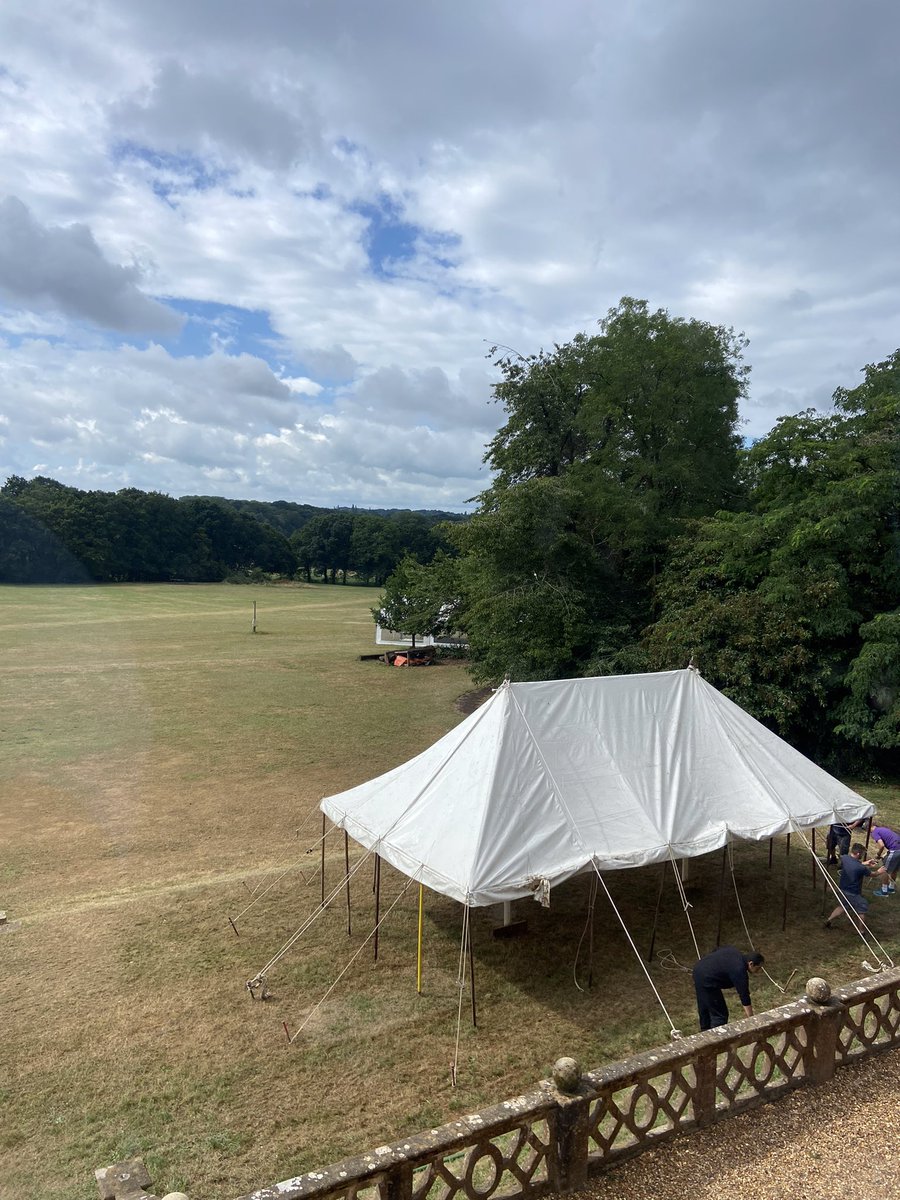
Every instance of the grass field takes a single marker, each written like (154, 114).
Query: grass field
(158, 763)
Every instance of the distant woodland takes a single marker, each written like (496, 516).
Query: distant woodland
(51, 533)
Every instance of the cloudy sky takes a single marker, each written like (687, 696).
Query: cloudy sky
(260, 250)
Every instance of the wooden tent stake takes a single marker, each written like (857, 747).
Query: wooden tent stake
(721, 895)
(323, 859)
(787, 855)
(347, 877)
(593, 899)
(662, 881)
(377, 899)
(472, 975)
(419, 942)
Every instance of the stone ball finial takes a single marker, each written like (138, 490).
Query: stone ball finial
(818, 990)
(174, 1196)
(567, 1074)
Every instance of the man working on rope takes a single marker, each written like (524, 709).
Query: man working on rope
(726, 967)
(853, 872)
(887, 843)
(837, 843)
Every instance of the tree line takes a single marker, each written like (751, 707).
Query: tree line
(628, 528)
(52, 533)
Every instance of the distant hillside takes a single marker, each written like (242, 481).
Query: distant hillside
(288, 516)
(53, 533)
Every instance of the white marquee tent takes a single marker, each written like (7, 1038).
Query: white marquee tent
(547, 780)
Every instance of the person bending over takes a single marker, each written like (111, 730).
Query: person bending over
(850, 881)
(726, 967)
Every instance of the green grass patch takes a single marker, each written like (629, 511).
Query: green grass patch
(158, 764)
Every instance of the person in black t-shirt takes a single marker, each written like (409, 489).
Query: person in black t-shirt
(726, 967)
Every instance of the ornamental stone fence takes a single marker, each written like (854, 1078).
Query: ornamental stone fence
(557, 1137)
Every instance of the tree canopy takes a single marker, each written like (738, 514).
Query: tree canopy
(792, 605)
(627, 528)
(596, 468)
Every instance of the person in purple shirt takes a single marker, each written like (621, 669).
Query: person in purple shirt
(853, 872)
(887, 844)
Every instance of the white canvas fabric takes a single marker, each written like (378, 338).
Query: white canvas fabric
(549, 779)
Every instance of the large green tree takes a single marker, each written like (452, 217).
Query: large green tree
(791, 606)
(420, 600)
(611, 443)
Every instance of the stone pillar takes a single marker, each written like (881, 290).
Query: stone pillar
(825, 1020)
(705, 1093)
(572, 1125)
(398, 1182)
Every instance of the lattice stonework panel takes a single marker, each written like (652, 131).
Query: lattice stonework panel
(359, 1191)
(644, 1111)
(759, 1068)
(506, 1164)
(871, 1023)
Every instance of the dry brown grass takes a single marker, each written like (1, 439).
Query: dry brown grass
(157, 762)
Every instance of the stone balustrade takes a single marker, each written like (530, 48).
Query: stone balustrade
(570, 1128)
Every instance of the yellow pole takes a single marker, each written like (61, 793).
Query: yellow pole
(419, 954)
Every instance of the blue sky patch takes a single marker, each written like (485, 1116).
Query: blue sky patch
(235, 330)
(176, 173)
(389, 239)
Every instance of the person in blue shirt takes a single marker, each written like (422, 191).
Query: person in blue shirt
(850, 881)
(726, 967)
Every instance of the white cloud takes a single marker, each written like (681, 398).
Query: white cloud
(349, 203)
(64, 269)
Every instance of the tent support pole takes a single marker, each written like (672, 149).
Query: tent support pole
(815, 869)
(721, 895)
(770, 853)
(472, 975)
(347, 877)
(323, 860)
(662, 882)
(787, 855)
(377, 899)
(419, 941)
(591, 901)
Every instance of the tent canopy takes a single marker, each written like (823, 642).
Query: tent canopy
(546, 780)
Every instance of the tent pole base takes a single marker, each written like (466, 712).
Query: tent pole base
(509, 928)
